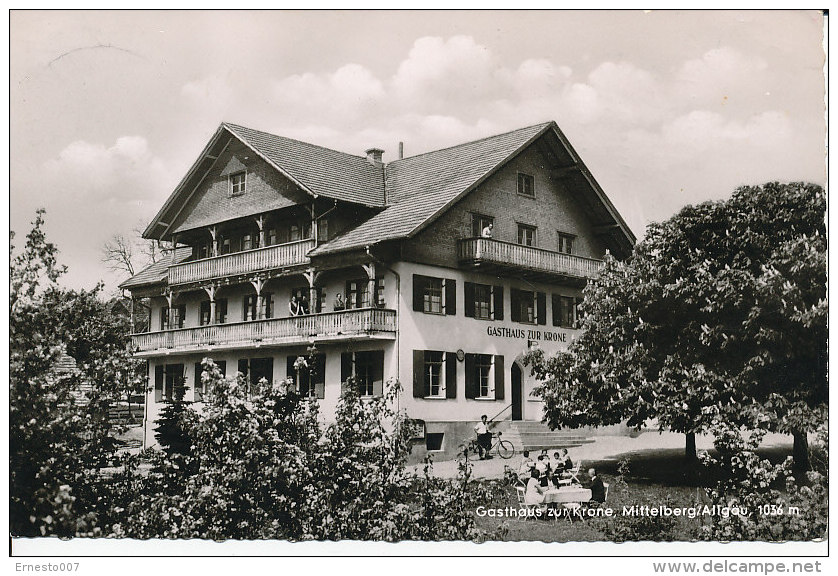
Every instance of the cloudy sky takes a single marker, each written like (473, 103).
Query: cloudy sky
(109, 110)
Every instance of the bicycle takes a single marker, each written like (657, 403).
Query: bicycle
(502, 448)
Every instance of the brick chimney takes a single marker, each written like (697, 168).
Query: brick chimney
(374, 156)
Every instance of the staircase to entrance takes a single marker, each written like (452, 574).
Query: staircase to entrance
(532, 435)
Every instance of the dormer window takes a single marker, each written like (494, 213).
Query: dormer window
(238, 182)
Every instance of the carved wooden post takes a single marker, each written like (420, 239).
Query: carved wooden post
(174, 249)
(259, 284)
(211, 291)
(214, 233)
(312, 278)
(260, 222)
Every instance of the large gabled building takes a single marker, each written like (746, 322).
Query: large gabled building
(259, 219)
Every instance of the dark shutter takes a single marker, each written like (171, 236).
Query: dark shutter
(450, 296)
(198, 390)
(222, 367)
(418, 293)
(557, 310)
(158, 383)
(541, 307)
(515, 297)
(419, 374)
(243, 366)
(471, 376)
(469, 292)
(345, 369)
(498, 293)
(499, 377)
(320, 376)
(183, 314)
(450, 374)
(377, 372)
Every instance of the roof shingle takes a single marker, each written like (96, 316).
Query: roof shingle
(158, 272)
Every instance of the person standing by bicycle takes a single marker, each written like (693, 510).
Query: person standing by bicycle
(484, 438)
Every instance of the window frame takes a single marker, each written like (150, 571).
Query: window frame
(560, 301)
(527, 228)
(429, 292)
(364, 370)
(238, 183)
(489, 376)
(479, 222)
(434, 358)
(566, 243)
(362, 289)
(521, 186)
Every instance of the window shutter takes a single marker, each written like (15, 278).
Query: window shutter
(345, 369)
(541, 307)
(469, 292)
(499, 377)
(497, 291)
(418, 374)
(577, 316)
(198, 389)
(450, 296)
(450, 375)
(183, 314)
(557, 310)
(222, 367)
(515, 297)
(378, 373)
(320, 380)
(471, 376)
(418, 293)
(243, 366)
(158, 383)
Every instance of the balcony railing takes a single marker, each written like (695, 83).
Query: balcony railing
(249, 261)
(486, 250)
(292, 330)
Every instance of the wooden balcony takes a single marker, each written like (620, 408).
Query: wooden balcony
(242, 263)
(505, 258)
(360, 324)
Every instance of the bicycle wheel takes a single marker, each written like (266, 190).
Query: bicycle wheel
(505, 449)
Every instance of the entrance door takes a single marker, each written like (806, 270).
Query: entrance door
(517, 393)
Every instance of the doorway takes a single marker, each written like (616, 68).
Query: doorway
(517, 393)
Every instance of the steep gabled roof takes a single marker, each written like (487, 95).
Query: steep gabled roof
(316, 170)
(321, 171)
(420, 188)
(156, 273)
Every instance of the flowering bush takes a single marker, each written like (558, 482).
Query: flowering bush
(267, 468)
(776, 505)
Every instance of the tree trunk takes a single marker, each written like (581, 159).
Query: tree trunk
(800, 452)
(689, 451)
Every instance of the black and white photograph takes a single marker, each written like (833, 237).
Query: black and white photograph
(418, 283)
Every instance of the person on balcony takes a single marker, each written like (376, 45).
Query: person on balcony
(294, 306)
(339, 303)
(304, 309)
(487, 231)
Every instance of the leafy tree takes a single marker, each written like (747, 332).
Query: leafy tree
(56, 447)
(720, 311)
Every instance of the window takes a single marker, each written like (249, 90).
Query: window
(247, 242)
(205, 312)
(367, 368)
(433, 373)
(271, 237)
(267, 309)
(529, 307)
(526, 235)
(484, 301)
(200, 389)
(169, 383)
(308, 374)
(357, 293)
(526, 185)
(301, 294)
(220, 311)
(294, 233)
(254, 370)
(566, 243)
(564, 311)
(238, 183)
(484, 377)
(174, 318)
(249, 307)
(479, 222)
(433, 441)
(434, 295)
(226, 246)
